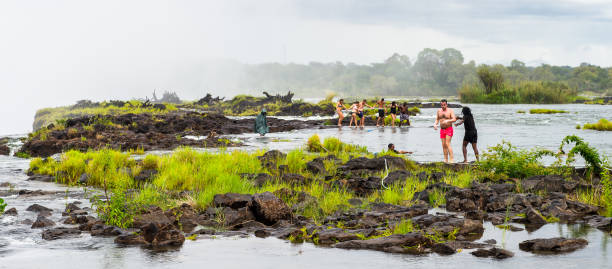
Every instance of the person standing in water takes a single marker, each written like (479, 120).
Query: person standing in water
(404, 114)
(354, 109)
(445, 117)
(261, 123)
(339, 107)
(381, 112)
(471, 135)
(360, 111)
(393, 112)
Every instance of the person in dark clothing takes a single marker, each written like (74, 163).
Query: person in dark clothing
(261, 124)
(471, 135)
(391, 148)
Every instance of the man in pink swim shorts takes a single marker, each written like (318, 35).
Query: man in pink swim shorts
(445, 117)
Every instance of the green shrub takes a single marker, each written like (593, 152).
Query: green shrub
(601, 125)
(506, 159)
(3, 206)
(545, 111)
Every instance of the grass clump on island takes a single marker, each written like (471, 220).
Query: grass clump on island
(194, 177)
(546, 111)
(601, 125)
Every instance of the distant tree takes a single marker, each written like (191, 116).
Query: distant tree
(491, 79)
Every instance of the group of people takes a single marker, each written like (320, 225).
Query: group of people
(445, 118)
(357, 110)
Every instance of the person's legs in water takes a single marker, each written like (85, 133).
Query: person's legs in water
(340, 117)
(449, 149)
(475, 151)
(392, 120)
(444, 149)
(465, 151)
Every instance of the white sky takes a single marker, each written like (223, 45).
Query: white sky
(56, 52)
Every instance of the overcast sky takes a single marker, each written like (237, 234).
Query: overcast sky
(56, 52)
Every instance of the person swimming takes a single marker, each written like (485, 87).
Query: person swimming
(471, 135)
(391, 148)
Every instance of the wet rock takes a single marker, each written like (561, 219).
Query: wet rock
(374, 164)
(475, 215)
(130, 239)
(248, 226)
(361, 186)
(552, 245)
(491, 241)
(104, 230)
(332, 236)
(549, 183)
(316, 167)
(43, 178)
(30, 193)
(27, 222)
(510, 228)
(443, 249)
(153, 214)
(42, 222)
(145, 175)
(269, 209)
(236, 216)
(60, 232)
(232, 200)
(7, 185)
(598, 222)
(79, 219)
(4, 149)
(38, 209)
(533, 217)
(395, 176)
(71, 208)
(496, 253)
(387, 243)
(10, 212)
(162, 236)
(262, 233)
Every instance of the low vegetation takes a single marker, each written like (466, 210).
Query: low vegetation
(601, 125)
(545, 111)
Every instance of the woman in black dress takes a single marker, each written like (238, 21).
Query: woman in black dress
(471, 135)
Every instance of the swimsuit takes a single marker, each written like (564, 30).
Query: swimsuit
(471, 135)
(360, 114)
(446, 132)
(393, 110)
(381, 113)
(405, 116)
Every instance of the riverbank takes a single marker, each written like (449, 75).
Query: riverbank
(327, 193)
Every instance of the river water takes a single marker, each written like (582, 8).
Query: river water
(23, 247)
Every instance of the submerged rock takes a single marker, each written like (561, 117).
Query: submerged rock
(496, 253)
(60, 232)
(10, 212)
(552, 245)
(42, 222)
(388, 243)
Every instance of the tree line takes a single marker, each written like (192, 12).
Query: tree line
(433, 72)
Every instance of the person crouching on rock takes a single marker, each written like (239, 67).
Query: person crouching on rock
(391, 148)
(261, 124)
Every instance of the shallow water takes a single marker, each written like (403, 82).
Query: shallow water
(495, 123)
(22, 247)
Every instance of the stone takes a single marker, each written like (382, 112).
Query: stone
(269, 209)
(146, 175)
(60, 232)
(386, 243)
(152, 215)
(10, 212)
(443, 249)
(552, 245)
(232, 200)
(43, 178)
(38, 208)
(533, 217)
(316, 166)
(496, 253)
(130, 239)
(42, 222)
(104, 230)
(331, 236)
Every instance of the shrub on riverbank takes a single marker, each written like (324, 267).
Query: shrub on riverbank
(601, 125)
(493, 90)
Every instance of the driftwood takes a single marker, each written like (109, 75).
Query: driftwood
(208, 99)
(283, 98)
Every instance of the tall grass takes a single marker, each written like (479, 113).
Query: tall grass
(526, 92)
(601, 125)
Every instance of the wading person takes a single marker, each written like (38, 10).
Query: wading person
(404, 114)
(354, 109)
(360, 111)
(381, 112)
(393, 112)
(261, 124)
(391, 148)
(445, 117)
(339, 107)
(471, 135)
